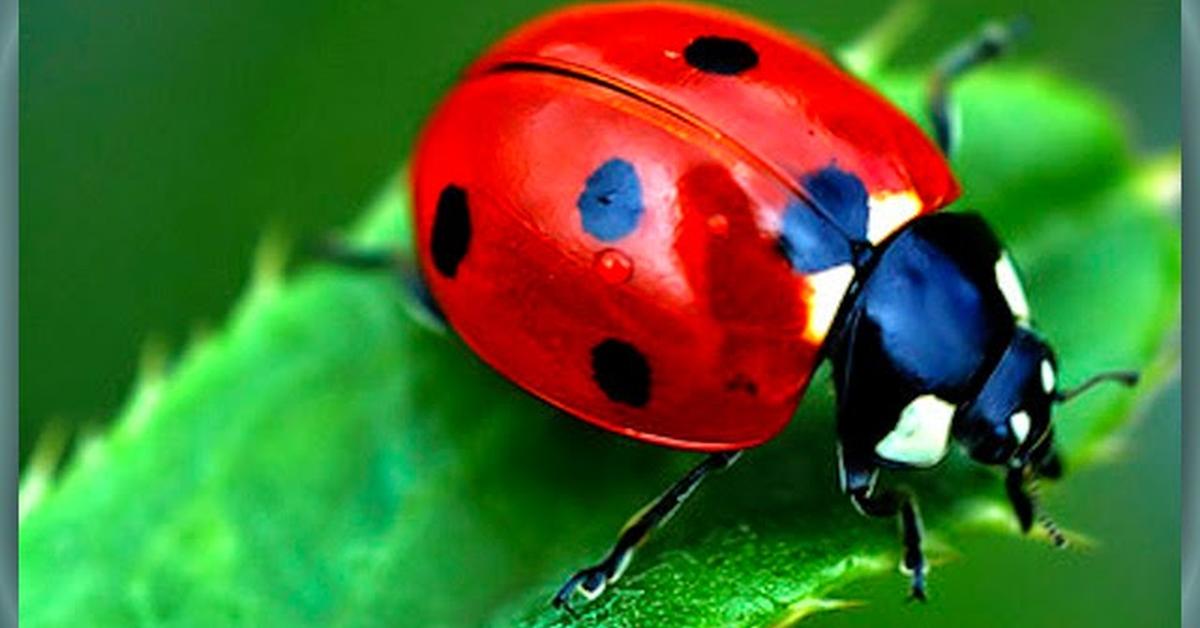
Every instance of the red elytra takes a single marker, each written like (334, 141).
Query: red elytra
(598, 206)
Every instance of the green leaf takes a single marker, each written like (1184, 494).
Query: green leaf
(328, 460)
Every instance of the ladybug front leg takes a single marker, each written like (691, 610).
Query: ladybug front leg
(592, 581)
(993, 41)
(892, 503)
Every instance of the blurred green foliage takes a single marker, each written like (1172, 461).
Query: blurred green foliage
(160, 140)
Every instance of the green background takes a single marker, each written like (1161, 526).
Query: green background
(159, 141)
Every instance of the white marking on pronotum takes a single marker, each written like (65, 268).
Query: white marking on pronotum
(1010, 287)
(921, 435)
(889, 211)
(1019, 423)
(1047, 376)
(828, 287)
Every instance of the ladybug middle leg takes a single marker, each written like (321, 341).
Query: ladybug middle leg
(991, 42)
(591, 581)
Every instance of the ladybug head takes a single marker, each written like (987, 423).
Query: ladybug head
(1009, 420)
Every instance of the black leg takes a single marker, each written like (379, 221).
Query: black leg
(340, 253)
(893, 503)
(1025, 507)
(592, 581)
(1022, 503)
(987, 45)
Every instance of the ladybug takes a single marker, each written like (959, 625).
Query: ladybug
(662, 218)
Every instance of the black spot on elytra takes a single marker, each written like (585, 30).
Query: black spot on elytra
(830, 230)
(720, 55)
(611, 202)
(621, 372)
(842, 195)
(451, 230)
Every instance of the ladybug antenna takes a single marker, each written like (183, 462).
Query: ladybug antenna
(1044, 520)
(1022, 488)
(1127, 378)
